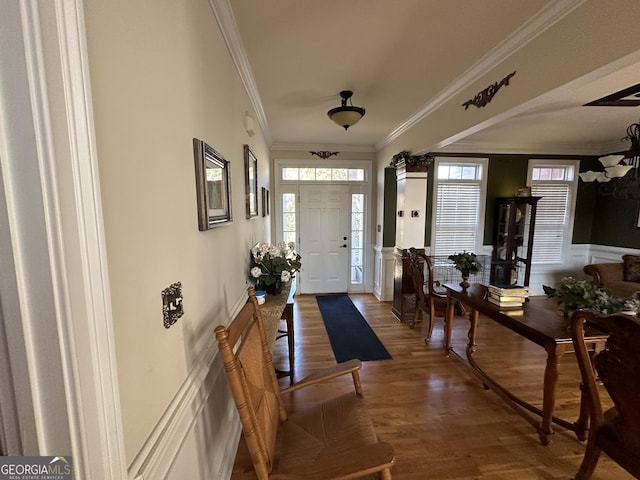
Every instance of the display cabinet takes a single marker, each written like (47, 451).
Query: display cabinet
(513, 241)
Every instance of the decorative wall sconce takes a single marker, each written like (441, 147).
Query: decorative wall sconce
(620, 177)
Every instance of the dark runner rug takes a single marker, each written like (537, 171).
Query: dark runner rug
(349, 333)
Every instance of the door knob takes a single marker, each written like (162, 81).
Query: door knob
(343, 246)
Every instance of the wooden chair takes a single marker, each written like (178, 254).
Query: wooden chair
(429, 300)
(331, 440)
(617, 430)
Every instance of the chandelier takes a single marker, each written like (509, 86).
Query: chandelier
(620, 176)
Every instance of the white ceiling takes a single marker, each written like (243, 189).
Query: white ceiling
(397, 57)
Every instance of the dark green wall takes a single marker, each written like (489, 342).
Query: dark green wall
(614, 223)
(585, 205)
(506, 173)
(598, 220)
(390, 203)
(429, 207)
(604, 220)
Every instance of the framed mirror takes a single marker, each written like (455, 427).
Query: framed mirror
(251, 182)
(212, 186)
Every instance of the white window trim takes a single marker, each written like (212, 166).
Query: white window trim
(484, 164)
(568, 233)
(361, 164)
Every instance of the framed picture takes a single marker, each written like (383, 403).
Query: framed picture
(265, 202)
(213, 189)
(251, 182)
(523, 192)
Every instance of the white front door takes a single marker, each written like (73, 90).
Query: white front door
(324, 238)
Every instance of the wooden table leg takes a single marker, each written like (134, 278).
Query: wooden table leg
(549, 395)
(287, 316)
(291, 345)
(448, 324)
(473, 328)
(581, 426)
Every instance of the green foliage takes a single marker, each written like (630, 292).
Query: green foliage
(575, 295)
(274, 265)
(466, 261)
(409, 159)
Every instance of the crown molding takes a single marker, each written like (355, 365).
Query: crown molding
(229, 28)
(590, 149)
(535, 26)
(332, 147)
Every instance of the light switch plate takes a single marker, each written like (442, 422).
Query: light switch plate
(172, 308)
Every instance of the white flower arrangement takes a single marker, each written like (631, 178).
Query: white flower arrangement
(272, 266)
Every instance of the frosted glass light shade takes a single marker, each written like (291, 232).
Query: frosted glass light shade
(589, 176)
(346, 116)
(602, 178)
(618, 171)
(610, 160)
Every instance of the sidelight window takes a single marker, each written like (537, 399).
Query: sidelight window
(289, 217)
(357, 237)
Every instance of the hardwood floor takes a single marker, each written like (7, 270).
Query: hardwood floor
(433, 410)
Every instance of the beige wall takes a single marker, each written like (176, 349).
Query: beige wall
(161, 75)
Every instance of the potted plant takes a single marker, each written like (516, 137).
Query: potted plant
(575, 295)
(273, 266)
(467, 263)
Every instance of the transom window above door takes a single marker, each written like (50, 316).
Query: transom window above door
(323, 174)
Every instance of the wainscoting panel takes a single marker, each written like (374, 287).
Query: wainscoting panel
(579, 256)
(383, 274)
(606, 254)
(197, 436)
(552, 274)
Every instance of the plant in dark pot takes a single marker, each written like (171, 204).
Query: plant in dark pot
(467, 263)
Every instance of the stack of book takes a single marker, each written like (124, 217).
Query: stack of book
(509, 297)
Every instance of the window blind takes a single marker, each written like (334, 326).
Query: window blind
(551, 221)
(457, 212)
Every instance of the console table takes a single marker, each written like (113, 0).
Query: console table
(275, 309)
(540, 322)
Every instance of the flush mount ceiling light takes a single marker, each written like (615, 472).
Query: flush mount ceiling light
(346, 115)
